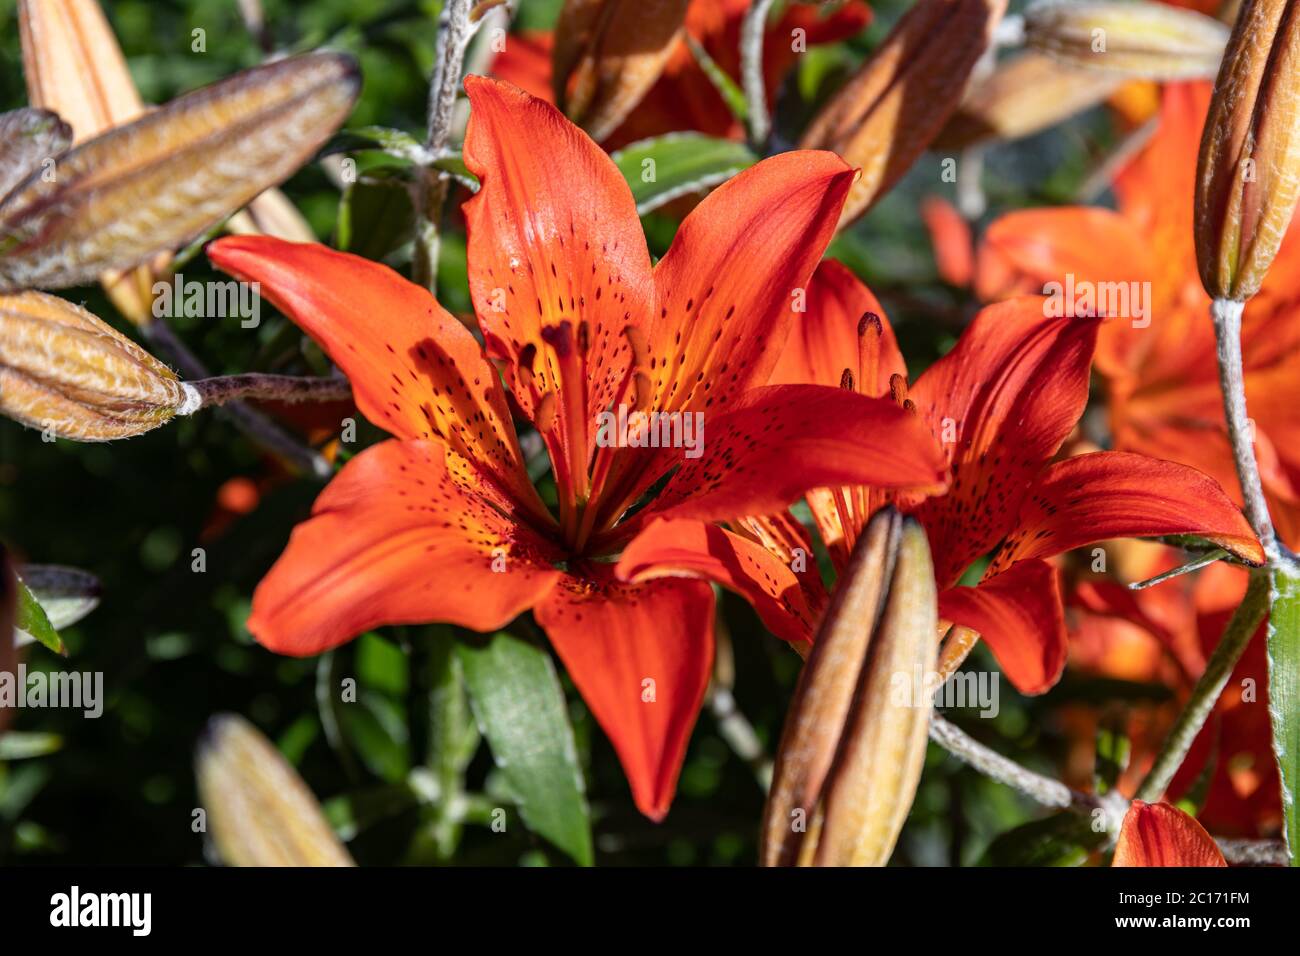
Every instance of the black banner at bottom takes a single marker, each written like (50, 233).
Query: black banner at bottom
(337, 906)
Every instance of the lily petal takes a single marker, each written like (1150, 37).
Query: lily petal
(723, 294)
(416, 372)
(829, 336)
(1112, 494)
(559, 268)
(1093, 244)
(725, 286)
(1157, 834)
(1018, 613)
(698, 549)
(780, 441)
(640, 656)
(1001, 401)
(396, 538)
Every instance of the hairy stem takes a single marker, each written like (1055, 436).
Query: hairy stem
(1206, 693)
(255, 426)
(454, 33)
(1045, 790)
(1254, 852)
(1227, 332)
(753, 31)
(280, 388)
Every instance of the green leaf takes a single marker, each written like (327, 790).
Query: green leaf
(17, 745)
(1112, 751)
(375, 217)
(376, 729)
(1284, 695)
(520, 708)
(662, 168)
(395, 142)
(32, 623)
(1063, 839)
(65, 594)
(454, 165)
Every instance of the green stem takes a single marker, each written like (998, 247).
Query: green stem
(1206, 693)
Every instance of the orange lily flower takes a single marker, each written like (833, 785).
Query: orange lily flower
(1156, 834)
(1001, 403)
(442, 523)
(1159, 369)
(684, 98)
(1164, 635)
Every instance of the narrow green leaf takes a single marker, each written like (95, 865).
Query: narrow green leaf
(520, 708)
(17, 745)
(1112, 751)
(662, 168)
(32, 624)
(731, 92)
(66, 594)
(376, 730)
(1063, 839)
(375, 217)
(1284, 695)
(395, 142)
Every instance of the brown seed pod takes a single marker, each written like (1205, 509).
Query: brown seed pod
(894, 106)
(159, 182)
(1248, 177)
(855, 739)
(65, 371)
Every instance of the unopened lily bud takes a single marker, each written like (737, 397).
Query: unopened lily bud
(258, 810)
(29, 140)
(68, 373)
(74, 67)
(894, 106)
(1025, 94)
(608, 53)
(1127, 38)
(155, 184)
(1248, 177)
(855, 739)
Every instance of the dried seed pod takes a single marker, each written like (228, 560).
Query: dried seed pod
(888, 113)
(260, 813)
(1248, 177)
(65, 371)
(159, 182)
(29, 141)
(855, 739)
(74, 66)
(608, 53)
(1025, 94)
(1128, 39)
